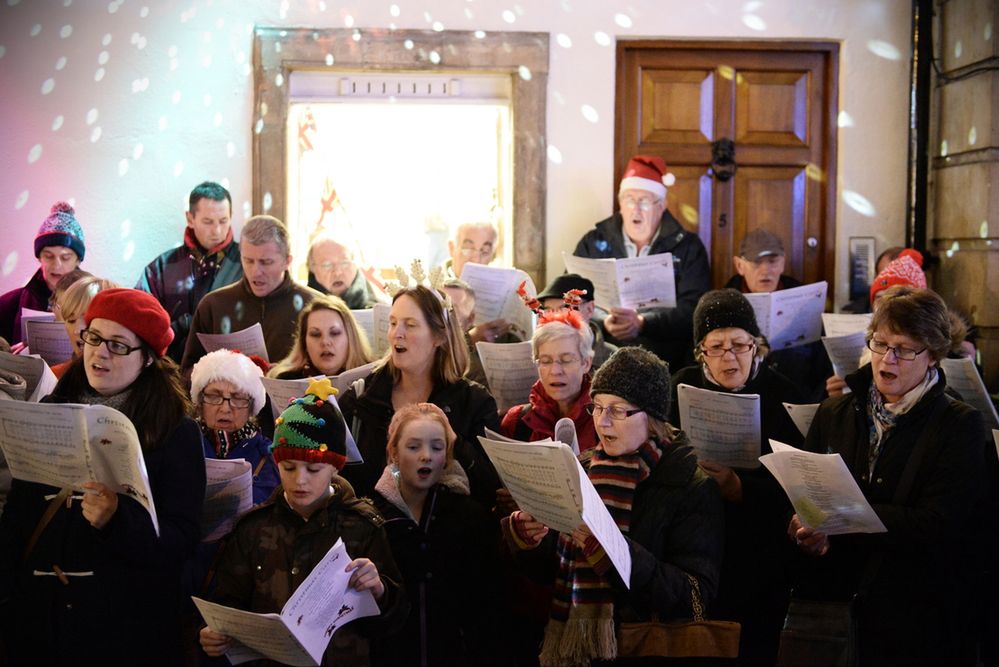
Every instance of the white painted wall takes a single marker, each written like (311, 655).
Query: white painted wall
(155, 97)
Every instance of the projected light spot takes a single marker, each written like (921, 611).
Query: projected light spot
(224, 183)
(175, 98)
(135, 37)
(554, 154)
(163, 123)
(525, 72)
(983, 229)
(61, 63)
(268, 202)
(140, 85)
(689, 214)
(95, 135)
(509, 16)
(943, 148)
(141, 44)
(329, 59)
(468, 13)
(602, 38)
(263, 108)
(113, 7)
(988, 31)
(564, 40)
(36, 30)
(217, 119)
(99, 74)
(623, 20)
(103, 57)
(47, 86)
(751, 7)
(57, 123)
(279, 80)
(126, 228)
(247, 209)
(408, 44)
(559, 98)
(91, 116)
(590, 114)
(972, 136)
(348, 21)
(958, 49)
(123, 167)
(129, 251)
(356, 36)
(435, 57)
(814, 172)
(66, 31)
(106, 39)
(322, 6)
(207, 100)
(437, 26)
(144, 12)
(9, 263)
(394, 10)
(754, 22)
(480, 34)
(859, 203)
(883, 49)
(258, 126)
(178, 168)
(297, 302)
(230, 149)
(34, 153)
(22, 199)
(844, 119)
(137, 152)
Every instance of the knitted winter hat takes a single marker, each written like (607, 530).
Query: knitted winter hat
(906, 269)
(137, 311)
(723, 308)
(647, 172)
(228, 366)
(637, 376)
(312, 429)
(61, 229)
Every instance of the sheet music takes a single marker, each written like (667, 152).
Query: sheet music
(255, 636)
(963, 377)
(496, 296)
(802, 415)
(995, 436)
(64, 444)
(822, 491)
(633, 282)
(380, 326)
(282, 391)
(493, 435)
(365, 322)
(510, 371)
(841, 324)
(37, 375)
(723, 428)
(249, 341)
(845, 352)
(600, 522)
(49, 341)
(32, 315)
(228, 495)
(790, 317)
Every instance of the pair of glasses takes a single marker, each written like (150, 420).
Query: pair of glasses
(645, 205)
(901, 353)
(333, 266)
(235, 402)
(114, 346)
(483, 253)
(719, 351)
(615, 412)
(562, 360)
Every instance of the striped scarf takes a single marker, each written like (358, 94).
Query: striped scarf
(581, 627)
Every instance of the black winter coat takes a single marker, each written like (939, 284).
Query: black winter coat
(914, 609)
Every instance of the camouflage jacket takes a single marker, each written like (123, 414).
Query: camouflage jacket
(272, 550)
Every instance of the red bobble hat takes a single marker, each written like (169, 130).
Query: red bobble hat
(137, 311)
(906, 269)
(647, 172)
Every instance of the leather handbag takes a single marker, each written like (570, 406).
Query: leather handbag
(699, 638)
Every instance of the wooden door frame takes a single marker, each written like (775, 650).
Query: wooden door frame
(830, 51)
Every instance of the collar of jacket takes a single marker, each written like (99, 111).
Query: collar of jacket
(191, 241)
(670, 234)
(356, 292)
(453, 478)
(280, 292)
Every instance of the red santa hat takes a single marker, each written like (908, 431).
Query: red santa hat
(647, 172)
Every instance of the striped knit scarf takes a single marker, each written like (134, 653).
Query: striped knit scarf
(581, 627)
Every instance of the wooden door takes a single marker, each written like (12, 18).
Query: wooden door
(778, 102)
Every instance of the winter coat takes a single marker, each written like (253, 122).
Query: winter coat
(235, 307)
(359, 295)
(450, 565)
(914, 609)
(181, 277)
(468, 406)
(273, 549)
(755, 582)
(34, 295)
(256, 450)
(667, 331)
(535, 420)
(129, 608)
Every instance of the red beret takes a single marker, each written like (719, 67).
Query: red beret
(137, 311)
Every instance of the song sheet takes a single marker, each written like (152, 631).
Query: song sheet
(36, 373)
(493, 435)
(300, 634)
(282, 391)
(802, 415)
(963, 377)
(496, 296)
(249, 341)
(380, 326)
(845, 352)
(64, 444)
(634, 282)
(995, 436)
(32, 315)
(365, 319)
(547, 481)
(790, 317)
(822, 491)
(49, 341)
(510, 371)
(228, 495)
(723, 428)
(841, 324)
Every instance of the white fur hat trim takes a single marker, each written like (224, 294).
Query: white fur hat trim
(231, 367)
(647, 184)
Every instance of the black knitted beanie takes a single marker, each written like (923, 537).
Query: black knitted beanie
(721, 309)
(637, 376)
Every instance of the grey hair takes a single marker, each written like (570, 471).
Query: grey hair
(552, 331)
(261, 229)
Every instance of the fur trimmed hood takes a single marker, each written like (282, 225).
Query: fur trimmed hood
(453, 478)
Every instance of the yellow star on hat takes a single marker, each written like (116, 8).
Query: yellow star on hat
(321, 388)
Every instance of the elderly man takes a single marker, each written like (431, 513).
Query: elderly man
(643, 227)
(207, 260)
(473, 242)
(266, 294)
(552, 297)
(332, 271)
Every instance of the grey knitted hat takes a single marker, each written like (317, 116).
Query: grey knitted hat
(721, 309)
(637, 376)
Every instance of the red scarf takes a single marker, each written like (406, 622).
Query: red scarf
(544, 413)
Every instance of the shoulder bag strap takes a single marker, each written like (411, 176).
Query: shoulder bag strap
(46, 518)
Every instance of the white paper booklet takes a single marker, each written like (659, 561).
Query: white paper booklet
(510, 371)
(822, 491)
(845, 352)
(300, 634)
(496, 296)
(995, 436)
(723, 428)
(249, 341)
(841, 324)
(546, 480)
(963, 377)
(379, 327)
(228, 496)
(790, 317)
(635, 282)
(32, 315)
(65, 444)
(282, 391)
(802, 415)
(36, 373)
(49, 341)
